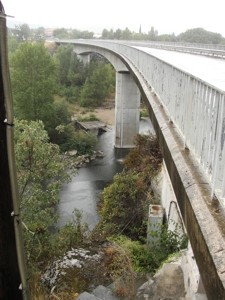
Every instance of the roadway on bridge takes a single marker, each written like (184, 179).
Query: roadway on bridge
(208, 69)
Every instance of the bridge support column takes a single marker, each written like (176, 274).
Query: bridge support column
(85, 58)
(127, 111)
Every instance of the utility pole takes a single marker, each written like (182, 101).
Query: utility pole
(11, 271)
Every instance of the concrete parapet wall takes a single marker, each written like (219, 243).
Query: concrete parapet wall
(193, 195)
(203, 223)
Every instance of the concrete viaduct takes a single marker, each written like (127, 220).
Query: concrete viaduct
(188, 116)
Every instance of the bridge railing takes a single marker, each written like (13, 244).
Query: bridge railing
(178, 44)
(195, 107)
(202, 49)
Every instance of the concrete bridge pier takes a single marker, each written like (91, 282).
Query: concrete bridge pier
(127, 110)
(84, 57)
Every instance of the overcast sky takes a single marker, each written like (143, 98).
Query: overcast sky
(166, 16)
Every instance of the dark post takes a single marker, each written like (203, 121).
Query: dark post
(9, 270)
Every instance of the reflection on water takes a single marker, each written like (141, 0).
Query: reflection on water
(83, 191)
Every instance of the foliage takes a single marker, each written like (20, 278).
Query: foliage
(147, 259)
(12, 44)
(83, 142)
(200, 35)
(39, 167)
(195, 35)
(90, 117)
(58, 124)
(78, 34)
(146, 157)
(166, 242)
(22, 32)
(33, 81)
(124, 206)
(38, 34)
(61, 33)
(98, 86)
(125, 201)
(69, 68)
(70, 93)
(69, 235)
(144, 114)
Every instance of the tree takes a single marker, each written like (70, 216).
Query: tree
(105, 34)
(39, 34)
(152, 34)
(39, 167)
(12, 44)
(61, 33)
(33, 81)
(22, 32)
(200, 35)
(59, 118)
(126, 34)
(125, 204)
(98, 86)
(69, 67)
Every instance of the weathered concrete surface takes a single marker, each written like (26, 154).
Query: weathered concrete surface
(168, 283)
(127, 110)
(95, 127)
(193, 194)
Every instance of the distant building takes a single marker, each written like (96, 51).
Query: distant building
(49, 32)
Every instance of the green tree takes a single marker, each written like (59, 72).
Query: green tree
(77, 34)
(33, 81)
(39, 166)
(98, 86)
(39, 34)
(105, 34)
(152, 34)
(12, 44)
(61, 33)
(200, 35)
(126, 34)
(124, 207)
(69, 67)
(58, 125)
(22, 32)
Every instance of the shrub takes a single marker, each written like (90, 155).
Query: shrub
(83, 142)
(90, 117)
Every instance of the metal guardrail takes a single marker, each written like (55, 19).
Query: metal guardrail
(196, 108)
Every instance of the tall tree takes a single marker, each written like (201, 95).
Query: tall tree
(39, 167)
(69, 67)
(33, 81)
(22, 32)
(98, 86)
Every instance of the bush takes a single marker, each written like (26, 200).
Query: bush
(144, 114)
(91, 117)
(124, 207)
(70, 93)
(83, 142)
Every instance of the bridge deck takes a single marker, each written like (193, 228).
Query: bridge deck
(211, 70)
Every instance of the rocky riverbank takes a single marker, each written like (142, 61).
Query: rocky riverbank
(84, 275)
(81, 160)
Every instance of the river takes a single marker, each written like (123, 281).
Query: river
(85, 187)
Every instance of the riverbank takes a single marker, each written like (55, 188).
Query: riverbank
(106, 115)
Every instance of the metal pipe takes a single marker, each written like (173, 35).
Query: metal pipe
(11, 158)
